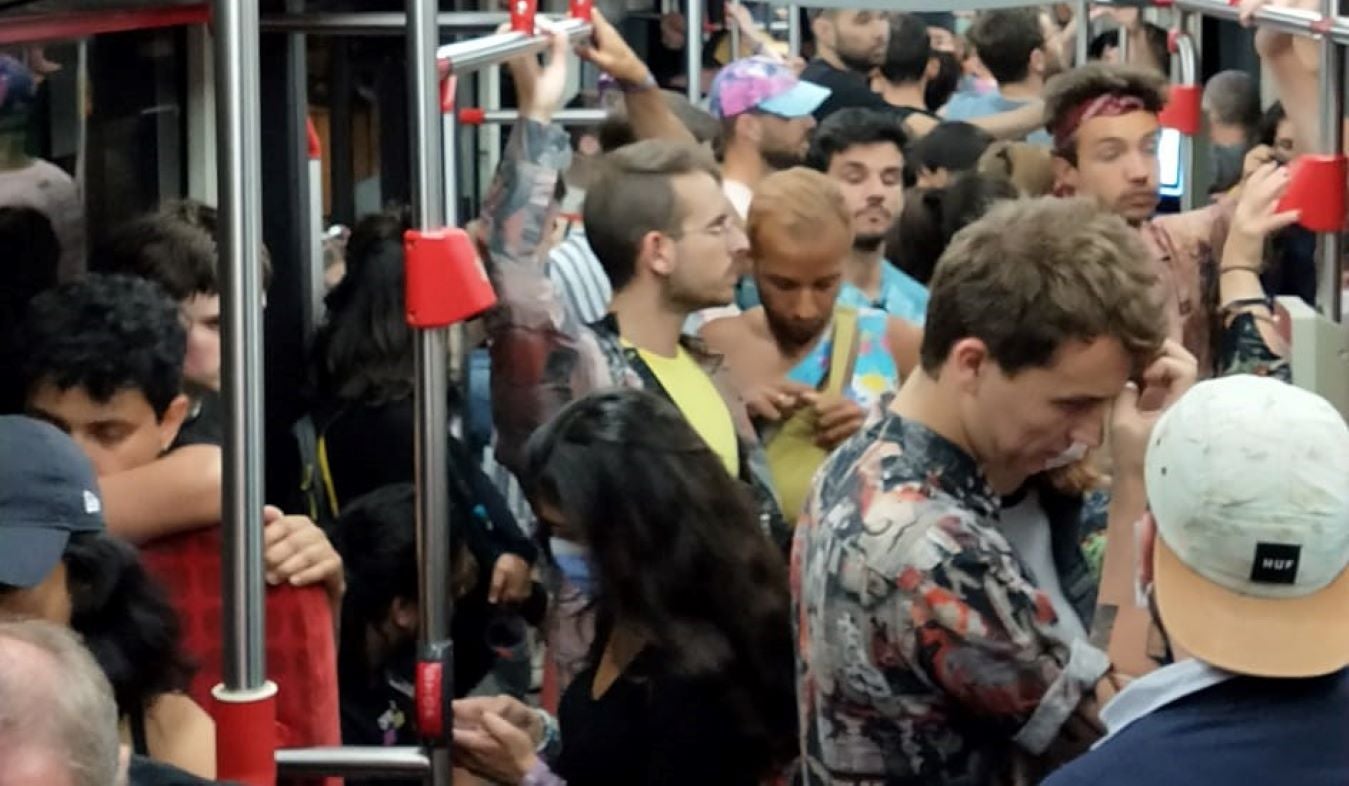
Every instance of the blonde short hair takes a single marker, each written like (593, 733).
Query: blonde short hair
(799, 203)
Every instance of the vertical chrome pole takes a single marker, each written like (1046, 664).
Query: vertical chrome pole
(1122, 43)
(794, 30)
(1330, 246)
(458, 332)
(693, 49)
(735, 34)
(1082, 43)
(240, 243)
(1187, 73)
(428, 212)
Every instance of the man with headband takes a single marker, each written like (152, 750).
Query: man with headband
(1105, 127)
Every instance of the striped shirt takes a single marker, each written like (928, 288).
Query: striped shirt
(579, 278)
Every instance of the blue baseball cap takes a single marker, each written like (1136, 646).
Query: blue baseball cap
(48, 491)
(764, 84)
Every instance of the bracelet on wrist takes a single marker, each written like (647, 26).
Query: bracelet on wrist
(1235, 268)
(648, 82)
(1247, 302)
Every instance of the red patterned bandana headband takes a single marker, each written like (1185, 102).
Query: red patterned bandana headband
(1105, 105)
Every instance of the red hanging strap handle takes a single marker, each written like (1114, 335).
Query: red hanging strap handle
(446, 282)
(1316, 187)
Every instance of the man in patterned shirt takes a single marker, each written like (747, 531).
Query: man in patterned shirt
(928, 655)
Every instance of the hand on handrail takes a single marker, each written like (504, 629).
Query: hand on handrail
(612, 55)
(540, 89)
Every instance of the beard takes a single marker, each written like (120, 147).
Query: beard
(867, 243)
(791, 335)
(780, 159)
(861, 63)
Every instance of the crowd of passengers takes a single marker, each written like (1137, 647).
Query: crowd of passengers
(866, 425)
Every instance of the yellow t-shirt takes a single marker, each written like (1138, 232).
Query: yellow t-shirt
(697, 397)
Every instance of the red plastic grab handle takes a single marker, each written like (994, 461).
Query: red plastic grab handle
(1316, 187)
(522, 16)
(446, 282)
(472, 116)
(246, 740)
(580, 9)
(1182, 111)
(430, 713)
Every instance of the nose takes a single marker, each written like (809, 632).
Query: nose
(1090, 429)
(737, 242)
(1140, 166)
(804, 308)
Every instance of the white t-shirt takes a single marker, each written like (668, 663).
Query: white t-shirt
(46, 188)
(739, 194)
(1026, 527)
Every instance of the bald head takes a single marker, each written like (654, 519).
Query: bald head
(58, 720)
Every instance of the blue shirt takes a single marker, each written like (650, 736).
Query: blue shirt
(970, 106)
(901, 295)
(1243, 730)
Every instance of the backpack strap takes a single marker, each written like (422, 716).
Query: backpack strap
(843, 353)
(316, 480)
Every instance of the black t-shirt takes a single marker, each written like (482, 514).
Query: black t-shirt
(847, 89)
(147, 772)
(650, 729)
(205, 424)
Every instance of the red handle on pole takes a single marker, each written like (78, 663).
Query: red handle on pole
(472, 116)
(580, 9)
(245, 736)
(312, 136)
(1182, 111)
(522, 16)
(1316, 187)
(448, 86)
(446, 282)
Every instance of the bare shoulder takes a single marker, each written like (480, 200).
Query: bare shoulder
(179, 732)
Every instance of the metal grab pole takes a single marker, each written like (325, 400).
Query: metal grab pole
(566, 117)
(1187, 65)
(1287, 20)
(464, 56)
(735, 36)
(240, 241)
(379, 23)
(354, 761)
(431, 430)
(1330, 247)
(1082, 43)
(693, 50)
(245, 708)
(794, 30)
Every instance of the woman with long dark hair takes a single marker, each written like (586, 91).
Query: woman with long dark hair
(126, 621)
(361, 432)
(691, 672)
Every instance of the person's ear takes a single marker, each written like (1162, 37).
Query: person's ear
(1037, 62)
(932, 70)
(1145, 548)
(822, 29)
(172, 421)
(966, 363)
(1065, 174)
(749, 128)
(405, 615)
(657, 253)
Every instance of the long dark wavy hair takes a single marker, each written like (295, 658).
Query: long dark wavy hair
(126, 621)
(678, 553)
(364, 351)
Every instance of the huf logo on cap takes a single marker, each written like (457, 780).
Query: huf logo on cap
(1275, 563)
(91, 503)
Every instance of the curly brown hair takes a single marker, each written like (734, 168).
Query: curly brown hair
(1071, 89)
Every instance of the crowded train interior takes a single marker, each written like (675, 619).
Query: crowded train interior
(673, 393)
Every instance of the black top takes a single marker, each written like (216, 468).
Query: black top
(205, 423)
(650, 728)
(147, 772)
(847, 89)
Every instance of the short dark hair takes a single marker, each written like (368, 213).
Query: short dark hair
(1268, 129)
(1033, 274)
(1234, 97)
(908, 51)
(104, 334)
(633, 195)
(1068, 91)
(616, 131)
(849, 128)
(175, 247)
(953, 145)
(1005, 39)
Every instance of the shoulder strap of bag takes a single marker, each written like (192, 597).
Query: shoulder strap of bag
(843, 354)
